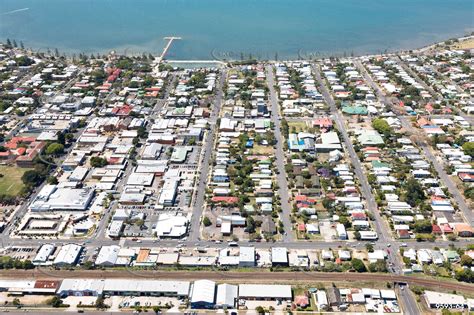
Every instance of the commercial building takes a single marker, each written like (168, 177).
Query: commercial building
(437, 300)
(203, 294)
(20, 287)
(43, 254)
(54, 198)
(265, 292)
(279, 256)
(123, 287)
(68, 255)
(107, 255)
(171, 226)
(226, 295)
(81, 287)
(127, 287)
(247, 256)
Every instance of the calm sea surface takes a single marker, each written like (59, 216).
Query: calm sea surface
(230, 28)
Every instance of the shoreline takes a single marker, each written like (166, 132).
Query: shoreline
(70, 54)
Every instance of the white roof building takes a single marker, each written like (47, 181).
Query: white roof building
(203, 292)
(52, 198)
(279, 256)
(107, 255)
(172, 226)
(149, 287)
(434, 299)
(247, 256)
(43, 254)
(265, 292)
(78, 174)
(68, 255)
(80, 287)
(226, 295)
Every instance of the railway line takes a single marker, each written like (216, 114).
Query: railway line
(289, 277)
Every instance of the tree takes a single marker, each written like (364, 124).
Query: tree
(32, 178)
(468, 148)
(379, 266)
(55, 301)
(466, 260)
(423, 226)
(98, 75)
(415, 194)
(52, 180)
(88, 265)
(139, 222)
(206, 221)
(55, 149)
(369, 247)
(357, 235)
(327, 203)
(97, 161)
(260, 310)
(27, 264)
(382, 126)
(16, 302)
(358, 265)
(69, 137)
(465, 275)
(345, 221)
(24, 61)
(250, 225)
(100, 303)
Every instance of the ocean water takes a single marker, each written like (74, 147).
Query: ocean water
(230, 29)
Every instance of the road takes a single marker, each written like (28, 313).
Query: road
(407, 300)
(280, 158)
(466, 211)
(382, 230)
(257, 276)
(25, 203)
(445, 178)
(198, 207)
(434, 94)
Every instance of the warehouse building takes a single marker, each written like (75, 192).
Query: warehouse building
(81, 287)
(279, 256)
(125, 287)
(54, 198)
(247, 256)
(265, 292)
(437, 300)
(226, 295)
(68, 255)
(42, 257)
(107, 255)
(203, 294)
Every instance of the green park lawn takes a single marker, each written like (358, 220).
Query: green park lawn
(10, 182)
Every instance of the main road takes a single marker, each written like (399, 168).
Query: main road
(382, 230)
(466, 211)
(385, 239)
(435, 95)
(209, 142)
(280, 159)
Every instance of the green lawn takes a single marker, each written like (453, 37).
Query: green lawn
(10, 182)
(300, 126)
(262, 150)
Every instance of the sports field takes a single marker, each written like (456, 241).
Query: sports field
(10, 182)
